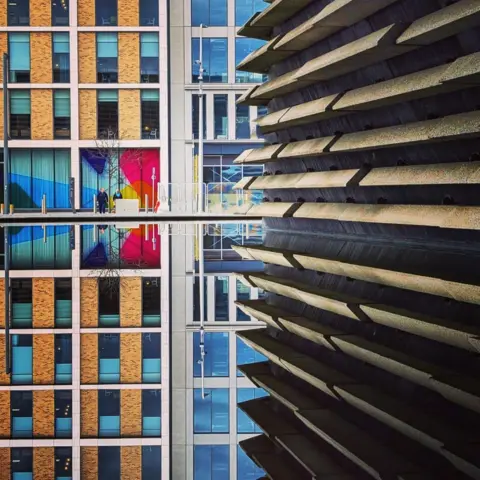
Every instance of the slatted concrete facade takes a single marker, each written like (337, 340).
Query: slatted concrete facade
(372, 203)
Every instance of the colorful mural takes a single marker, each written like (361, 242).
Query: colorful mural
(111, 247)
(136, 173)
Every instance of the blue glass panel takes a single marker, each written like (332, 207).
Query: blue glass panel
(109, 426)
(109, 320)
(245, 9)
(211, 414)
(215, 56)
(152, 426)
(243, 48)
(107, 45)
(152, 320)
(22, 476)
(152, 370)
(246, 468)
(19, 45)
(63, 427)
(63, 313)
(216, 358)
(246, 355)
(209, 12)
(63, 373)
(22, 315)
(109, 370)
(22, 427)
(22, 365)
(244, 423)
(211, 462)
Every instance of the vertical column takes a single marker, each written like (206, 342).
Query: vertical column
(232, 297)
(232, 357)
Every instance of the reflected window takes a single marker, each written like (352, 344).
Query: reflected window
(151, 462)
(18, 13)
(63, 414)
(106, 12)
(247, 355)
(149, 58)
(211, 414)
(151, 413)
(61, 109)
(61, 57)
(109, 413)
(21, 404)
(107, 58)
(22, 355)
(242, 121)
(151, 294)
(212, 13)
(19, 51)
(195, 116)
(63, 463)
(216, 358)
(107, 114)
(63, 302)
(21, 302)
(60, 13)
(247, 469)
(211, 462)
(109, 463)
(63, 359)
(149, 13)
(245, 9)
(150, 114)
(215, 55)
(244, 423)
(22, 463)
(109, 357)
(220, 111)
(243, 48)
(221, 299)
(151, 358)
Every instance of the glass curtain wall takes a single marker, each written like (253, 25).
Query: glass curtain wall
(212, 13)
(215, 60)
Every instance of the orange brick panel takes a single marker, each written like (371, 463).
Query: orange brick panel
(129, 114)
(4, 378)
(89, 413)
(2, 283)
(88, 301)
(44, 463)
(43, 414)
(131, 463)
(128, 57)
(88, 114)
(5, 464)
(89, 358)
(43, 359)
(131, 302)
(89, 463)
(128, 13)
(87, 52)
(3, 15)
(86, 13)
(42, 114)
(131, 358)
(5, 414)
(40, 13)
(43, 297)
(131, 413)
(41, 57)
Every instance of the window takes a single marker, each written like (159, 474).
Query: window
(63, 359)
(210, 414)
(61, 103)
(243, 294)
(221, 299)
(220, 110)
(246, 355)
(60, 13)
(151, 354)
(22, 354)
(246, 468)
(109, 413)
(150, 114)
(214, 60)
(107, 58)
(244, 423)
(109, 463)
(107, 113)
(151, 302)
(242, 121)
(21, 404)
(216, 358)
(211, 462)
(243, 48)
(109, 357)
(63, 463)
(22, 463)
(19, 114)
(149, 13)
(61, 58)
(19, 50)
(21, 303)
(149, 51)
(195, 116)
(151, 413)
(109, 302)
(212, 13)
(151, 462)
(63, 414)
(18, 13)
(245, 9)
(63, 302)
(106, 12)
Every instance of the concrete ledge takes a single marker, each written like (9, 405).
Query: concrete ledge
(273, 209)
(443, 23)
(465, 70)
(255, 31)
(244, 183)
(260, 155)
(307, 148)
(278, 12)
(246, 98)
(281, 85)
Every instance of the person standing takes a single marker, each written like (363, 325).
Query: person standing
(102, 200)
(117, 196)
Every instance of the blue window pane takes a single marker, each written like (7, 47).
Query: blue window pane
(221, 297)
(246, 355)
(152, 426)
(210, 414)
(211, 462)
(107, 57)
(106, 12)
(109, 370)
(245, 9)
(216, 358)
(149, 13)
(109, 426)
(212, 13)
(215, 55)
(63, 373)
(22, 427)
(19, 49)
(22, 476)
(22, 372)
(220, 112)
(152, 370)
(63, 427)
(246, 468)
(244, 423)
(61, 57)
(243, 294)
(242, 121)
(149, 58)
(243, 48)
